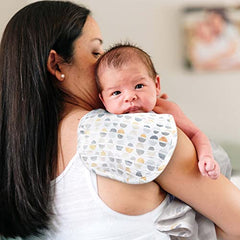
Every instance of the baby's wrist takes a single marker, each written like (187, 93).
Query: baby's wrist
(204, 157)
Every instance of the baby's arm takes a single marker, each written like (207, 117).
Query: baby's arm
(207, 165)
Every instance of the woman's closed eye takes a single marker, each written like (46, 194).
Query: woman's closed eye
(138, 86)
(96, 54)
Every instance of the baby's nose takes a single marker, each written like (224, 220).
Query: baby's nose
(130, 96)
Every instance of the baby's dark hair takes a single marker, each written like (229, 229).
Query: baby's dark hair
(121, 54)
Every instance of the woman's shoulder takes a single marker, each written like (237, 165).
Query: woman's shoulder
(67, 137)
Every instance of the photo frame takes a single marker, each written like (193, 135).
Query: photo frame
(211, 38)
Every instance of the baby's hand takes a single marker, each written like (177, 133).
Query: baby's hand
(209, 167)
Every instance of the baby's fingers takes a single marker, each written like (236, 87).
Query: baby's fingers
(164, 96)
(201, 166)
(214, 174)
(210, 165)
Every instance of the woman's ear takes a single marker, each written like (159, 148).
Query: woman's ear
(157, 82)
(53, 65)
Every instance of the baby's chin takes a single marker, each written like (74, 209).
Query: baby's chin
(133, 109)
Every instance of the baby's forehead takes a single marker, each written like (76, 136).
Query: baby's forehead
(122, 63)
(134, 66)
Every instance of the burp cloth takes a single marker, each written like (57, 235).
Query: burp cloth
(132, 148)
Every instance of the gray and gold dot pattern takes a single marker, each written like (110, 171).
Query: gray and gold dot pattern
(131, 148)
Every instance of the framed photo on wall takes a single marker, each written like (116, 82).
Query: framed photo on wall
(212, 38)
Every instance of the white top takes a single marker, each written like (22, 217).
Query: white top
(81, 214)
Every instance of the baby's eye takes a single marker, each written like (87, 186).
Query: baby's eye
(116, 93)
(138, 86)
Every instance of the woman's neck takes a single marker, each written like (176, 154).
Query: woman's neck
(81, 106)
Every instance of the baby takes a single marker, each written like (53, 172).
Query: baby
(128, 83)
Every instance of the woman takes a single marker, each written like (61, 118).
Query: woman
(47, 58)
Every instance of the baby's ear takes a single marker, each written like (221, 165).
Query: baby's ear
(101, 98)
(158, 88)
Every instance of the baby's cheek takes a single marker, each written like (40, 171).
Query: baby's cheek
(114, 108)
(151, 104)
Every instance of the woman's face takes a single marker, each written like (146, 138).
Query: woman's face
(79, 74)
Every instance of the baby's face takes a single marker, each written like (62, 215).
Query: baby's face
(129, 89)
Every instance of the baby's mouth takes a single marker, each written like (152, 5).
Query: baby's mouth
(133, 109)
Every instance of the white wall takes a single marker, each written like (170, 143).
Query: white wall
(211, 100)
(8, 8)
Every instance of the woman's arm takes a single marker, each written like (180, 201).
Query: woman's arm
(130, 199)
(216, 199)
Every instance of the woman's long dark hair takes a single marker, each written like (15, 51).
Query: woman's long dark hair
(31, 104)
